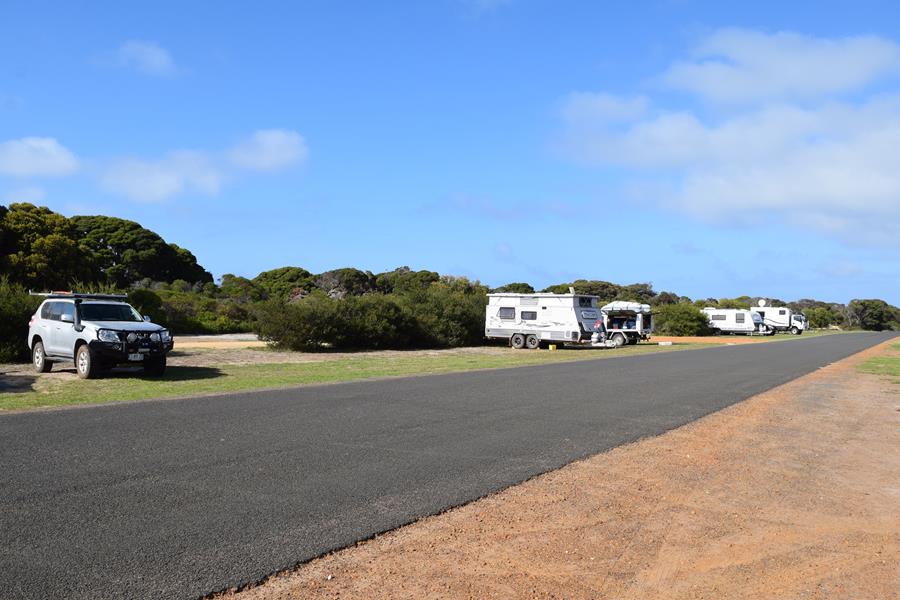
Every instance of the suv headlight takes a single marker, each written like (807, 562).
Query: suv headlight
(165, 336)
(107, 335)
(154, 337)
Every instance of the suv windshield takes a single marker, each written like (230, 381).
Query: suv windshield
(109, 312)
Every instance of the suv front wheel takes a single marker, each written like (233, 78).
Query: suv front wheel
(84, 362)
(39, 358)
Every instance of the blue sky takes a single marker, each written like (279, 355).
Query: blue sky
(709, 149)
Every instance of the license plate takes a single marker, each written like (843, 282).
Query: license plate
(135, 357)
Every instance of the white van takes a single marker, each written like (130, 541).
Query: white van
(781, 318)
(736, 320)
(627, 322)
(532, 320)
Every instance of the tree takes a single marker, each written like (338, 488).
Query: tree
(124, 252)
(743, 302)
(605, 290)
(874, 314)
(239, 288)
(41, 246)
(515, 288)
(637, 292)
(664, 298)
(280, 283)
(403, 279)
(346, 282)
(680, 320)
(820, 318)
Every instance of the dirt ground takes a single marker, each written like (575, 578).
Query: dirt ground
(792, 494)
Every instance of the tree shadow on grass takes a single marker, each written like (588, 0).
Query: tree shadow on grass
(16, 384)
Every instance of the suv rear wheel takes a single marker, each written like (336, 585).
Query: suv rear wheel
(39, 358)
(84, 363)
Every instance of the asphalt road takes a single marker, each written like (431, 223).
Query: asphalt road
(180, 498)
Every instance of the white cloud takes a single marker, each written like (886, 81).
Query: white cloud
(738, 65)
(600, 109)
(31, 194)
(270, 150)
(157, 180)
(147, 57)
(36, 157)
(196, 172)
(828, 164)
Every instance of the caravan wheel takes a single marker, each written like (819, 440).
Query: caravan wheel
(532, 342)
(619, 340)
(517, 341)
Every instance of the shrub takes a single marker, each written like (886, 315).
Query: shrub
(16, 308)
(305, 325)
(446, 313)
(680, 320)
(372, 321)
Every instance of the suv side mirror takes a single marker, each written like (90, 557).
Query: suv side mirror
(146, 318)
(66, 318)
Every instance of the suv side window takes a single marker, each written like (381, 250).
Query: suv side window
(55, 310)
(45, 310)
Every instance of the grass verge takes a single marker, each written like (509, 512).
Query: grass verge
(884, 365)
(188, 381)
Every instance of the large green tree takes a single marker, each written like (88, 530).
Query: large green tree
(41, 248)
(124, 252)
(873, 314)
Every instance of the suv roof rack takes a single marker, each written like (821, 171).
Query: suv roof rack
(81, 296)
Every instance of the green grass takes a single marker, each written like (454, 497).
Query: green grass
(188, 381)
(883, 365)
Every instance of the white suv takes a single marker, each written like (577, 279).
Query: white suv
(97, 332)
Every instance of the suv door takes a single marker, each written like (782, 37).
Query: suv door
(62, 330)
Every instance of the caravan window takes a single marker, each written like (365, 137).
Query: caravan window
(507, 313)
(739, 317)
(585, 302)
(782, 312)
(529, 315)
(718, 317)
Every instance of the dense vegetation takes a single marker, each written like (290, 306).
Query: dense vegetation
(295, 308)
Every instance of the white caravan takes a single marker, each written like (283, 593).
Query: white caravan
(627, 322)
(781, 318)
(532, 320)
(736, 320)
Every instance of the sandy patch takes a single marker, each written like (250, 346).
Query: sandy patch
(792, 494)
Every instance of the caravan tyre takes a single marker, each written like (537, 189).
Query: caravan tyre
(619, 340)
(517, 341)
(532, 342)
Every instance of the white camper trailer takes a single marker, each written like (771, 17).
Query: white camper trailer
(530, 320)
(627, 322)
(781, 318)
(735, 320)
